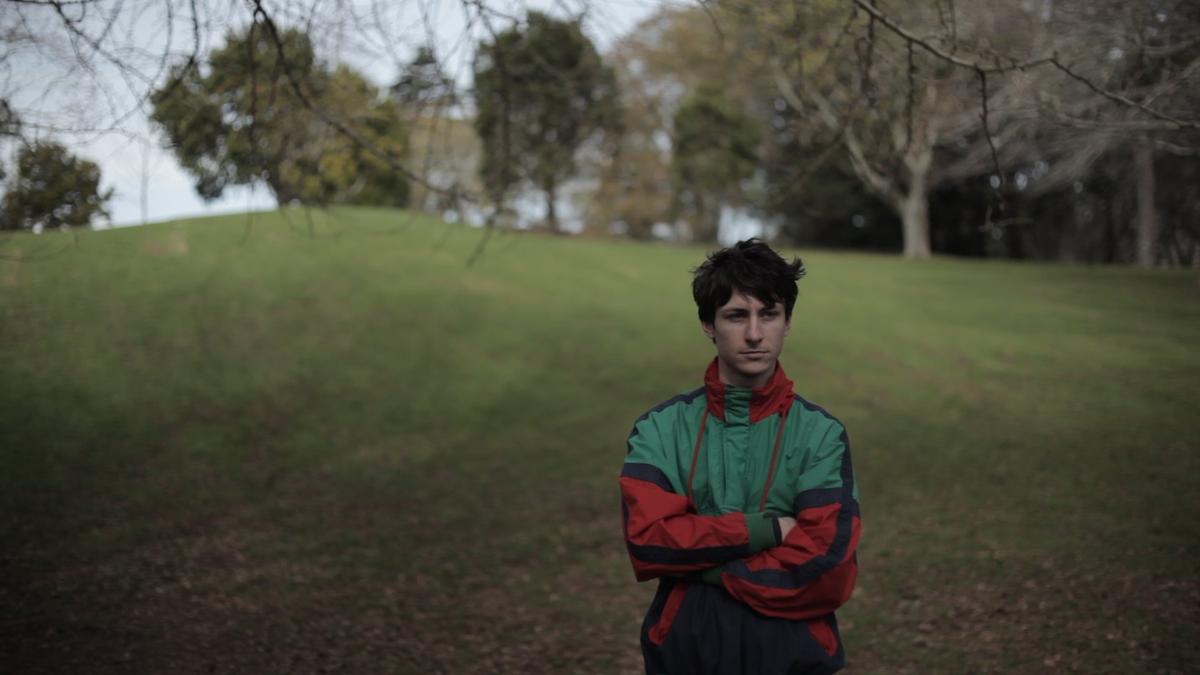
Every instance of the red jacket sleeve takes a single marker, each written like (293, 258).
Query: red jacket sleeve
(813, 571)
(665, 538)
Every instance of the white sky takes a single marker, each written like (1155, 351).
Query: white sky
(46, 84)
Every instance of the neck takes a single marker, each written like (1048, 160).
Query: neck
(735, 379)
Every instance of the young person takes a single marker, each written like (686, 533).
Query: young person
(739, 496)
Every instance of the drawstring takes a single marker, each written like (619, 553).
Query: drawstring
(762, 504)
(695, 456)
(770, 472)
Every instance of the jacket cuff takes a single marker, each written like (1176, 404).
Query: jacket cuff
(712, 575)
(764, 533)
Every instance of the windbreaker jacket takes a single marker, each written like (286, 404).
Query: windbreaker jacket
(706, 475)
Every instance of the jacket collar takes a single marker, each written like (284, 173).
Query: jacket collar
(737, 404)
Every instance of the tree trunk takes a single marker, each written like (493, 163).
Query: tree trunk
(1067, 228)
(1147, 215)
(706, 219)
(1114, 209)
(551, 189)
(914, 215)
(712, 222)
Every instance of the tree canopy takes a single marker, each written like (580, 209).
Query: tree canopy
(52, 188)
(1062, 129)
(541, 92)
(241, 121)
(715, 148)
(423, 85)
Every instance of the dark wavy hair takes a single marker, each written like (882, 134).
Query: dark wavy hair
(748, 266)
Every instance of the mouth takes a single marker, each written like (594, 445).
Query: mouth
(754, 353)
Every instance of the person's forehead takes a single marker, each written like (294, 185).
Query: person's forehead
(742, 300)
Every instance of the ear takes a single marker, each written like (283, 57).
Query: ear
(787, 326)
(709, 330)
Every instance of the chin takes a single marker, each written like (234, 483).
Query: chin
(757, 367)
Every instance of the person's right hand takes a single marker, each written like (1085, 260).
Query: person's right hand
(786, 523)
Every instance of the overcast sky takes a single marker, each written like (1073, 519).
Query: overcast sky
(149, 185)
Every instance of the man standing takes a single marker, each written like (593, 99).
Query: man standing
(739, 496)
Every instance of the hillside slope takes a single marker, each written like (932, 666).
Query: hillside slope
(256, 444)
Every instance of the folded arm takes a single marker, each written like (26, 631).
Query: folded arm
(664, 538)
(812, 572)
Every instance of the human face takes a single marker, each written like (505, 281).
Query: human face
(749, 337)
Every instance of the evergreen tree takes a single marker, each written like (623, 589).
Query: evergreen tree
(541, 91)
(52, 188)
(240, 122)
(714, 149)
(424, 85)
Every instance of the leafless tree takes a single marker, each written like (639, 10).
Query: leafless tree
(930, 93)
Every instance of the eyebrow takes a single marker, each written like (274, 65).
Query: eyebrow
(743, 310)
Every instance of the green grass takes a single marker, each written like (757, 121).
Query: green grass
(251, 450)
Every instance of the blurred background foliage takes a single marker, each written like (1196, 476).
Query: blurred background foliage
(1052, 130)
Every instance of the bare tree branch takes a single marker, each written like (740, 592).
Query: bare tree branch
(877, 180)
(983, 118)
(1013, 65)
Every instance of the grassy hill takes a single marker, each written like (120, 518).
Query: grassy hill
(235, 445)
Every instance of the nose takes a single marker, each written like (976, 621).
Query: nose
(754, 330)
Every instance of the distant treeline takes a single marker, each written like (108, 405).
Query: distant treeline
(1062, 130)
